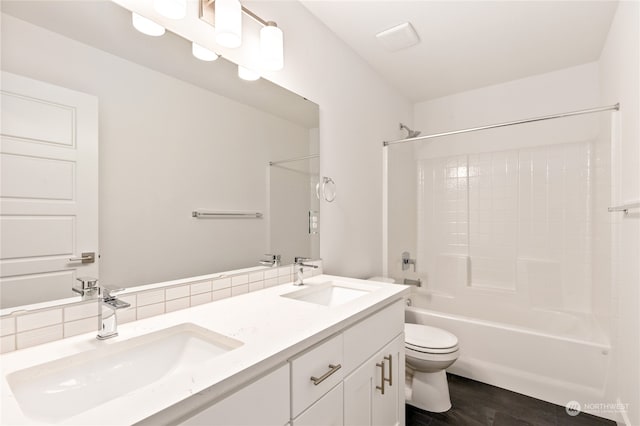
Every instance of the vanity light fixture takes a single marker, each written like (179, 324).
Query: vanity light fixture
(228, 23)
(203, 53)
(271, 47)
(146, 26)
(172, 9)
(247, 74)
(226, 17)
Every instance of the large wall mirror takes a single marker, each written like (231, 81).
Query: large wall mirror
(175, 135)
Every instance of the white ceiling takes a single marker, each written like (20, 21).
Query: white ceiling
(469, 44)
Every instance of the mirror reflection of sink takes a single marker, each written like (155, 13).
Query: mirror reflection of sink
(328, 294)
(60, 389)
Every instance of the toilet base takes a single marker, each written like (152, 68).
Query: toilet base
(429, 391)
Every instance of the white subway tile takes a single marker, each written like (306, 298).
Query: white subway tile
(200, 299)
(84, 310)
(256, 276)
(177, 292)
(147, 311)
(126, 315)
(7, 343)
(285, 270)
(270, 273)
(150, 297)
(39, 320)
(239, 289)
(239, 280)
(222, 294)
(258, 285)
(283, 279)
(7, 326)
(86, 325)
(221, 283)
(177, 304)
(271, 282)
(201, 287)
(130, 299)
(39, 336)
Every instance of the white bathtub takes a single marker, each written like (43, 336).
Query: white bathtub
(555, 358)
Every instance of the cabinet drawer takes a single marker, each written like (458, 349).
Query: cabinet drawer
(371, 334)
(326, 412)
(315, 363)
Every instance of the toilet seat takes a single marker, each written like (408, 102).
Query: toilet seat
(429, 340)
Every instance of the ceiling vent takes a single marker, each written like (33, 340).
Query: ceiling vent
(398, 37)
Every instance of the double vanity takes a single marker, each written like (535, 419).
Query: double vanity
(328, 352)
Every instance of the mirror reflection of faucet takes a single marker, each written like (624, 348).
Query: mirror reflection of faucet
(406, 261)
(271, 260)
(298, 266)
(88, 288)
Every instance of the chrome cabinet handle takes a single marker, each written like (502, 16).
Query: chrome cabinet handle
(390, 379)
(332, 369)
(382, 379)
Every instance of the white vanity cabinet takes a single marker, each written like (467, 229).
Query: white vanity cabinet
(354, 377)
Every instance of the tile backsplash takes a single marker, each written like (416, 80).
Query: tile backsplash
(23, 329)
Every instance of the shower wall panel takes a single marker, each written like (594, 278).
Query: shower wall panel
(516, 222)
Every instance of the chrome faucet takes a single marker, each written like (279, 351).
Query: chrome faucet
(88, 288)
(271, 260)
(299, 265)
(108, 304)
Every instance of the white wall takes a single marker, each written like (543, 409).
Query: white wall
(166, 148)
(620, 82)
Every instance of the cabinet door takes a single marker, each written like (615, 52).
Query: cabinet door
(388, 409)
(364, 402)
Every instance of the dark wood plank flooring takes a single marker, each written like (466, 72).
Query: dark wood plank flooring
(478, 404)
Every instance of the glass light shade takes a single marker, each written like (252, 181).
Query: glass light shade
(247, 74)
(172, 9)
(228, 22)
(146, 26)
(203, 53)
(271, 48)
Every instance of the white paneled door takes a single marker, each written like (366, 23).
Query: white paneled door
(48, 189)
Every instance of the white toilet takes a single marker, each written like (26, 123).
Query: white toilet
(429, 351)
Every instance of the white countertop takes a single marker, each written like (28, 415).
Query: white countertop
(272, 328)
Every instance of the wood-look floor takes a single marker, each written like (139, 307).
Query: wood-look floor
(478, 404)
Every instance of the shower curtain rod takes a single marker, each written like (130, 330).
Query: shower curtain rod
(615, 107)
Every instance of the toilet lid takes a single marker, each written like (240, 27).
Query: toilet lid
(424, 336)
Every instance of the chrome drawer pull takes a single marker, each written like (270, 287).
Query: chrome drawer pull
(390, 379)
(332, 369)
(382, 379)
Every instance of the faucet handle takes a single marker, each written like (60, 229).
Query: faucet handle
(300, 259)
(109, 292)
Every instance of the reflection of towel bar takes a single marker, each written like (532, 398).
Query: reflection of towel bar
(223, 215)
(625, 207)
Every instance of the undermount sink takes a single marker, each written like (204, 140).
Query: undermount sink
(61, 389)
(328, 293)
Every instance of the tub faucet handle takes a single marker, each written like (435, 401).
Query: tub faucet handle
(406, 261)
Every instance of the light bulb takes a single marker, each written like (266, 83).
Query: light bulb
(228, 22)
(146, 26)
(172, 9)
(203, 53)
(247, 74)
(271, 47)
